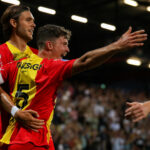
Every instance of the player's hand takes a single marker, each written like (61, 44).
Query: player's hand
(131, 39)
(137, 111)
(29, 119)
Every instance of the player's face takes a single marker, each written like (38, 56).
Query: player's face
(60, 47)
(25, 26)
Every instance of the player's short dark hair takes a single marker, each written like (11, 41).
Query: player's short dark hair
(12, 12)
(51, 32)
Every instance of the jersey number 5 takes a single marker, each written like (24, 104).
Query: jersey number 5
(20, 94)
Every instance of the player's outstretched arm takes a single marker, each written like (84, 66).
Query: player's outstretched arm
(28, 118)
(137, 111)
(97, 57)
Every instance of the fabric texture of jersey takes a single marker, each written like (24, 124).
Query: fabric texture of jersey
(33, 83)
(9, 53)
(28, 146)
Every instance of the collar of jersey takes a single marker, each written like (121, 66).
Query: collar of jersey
(17, 54)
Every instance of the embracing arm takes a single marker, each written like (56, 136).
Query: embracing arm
(97, 57)
(5, 101)
(28, 118)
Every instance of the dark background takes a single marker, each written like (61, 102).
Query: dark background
(89, 36)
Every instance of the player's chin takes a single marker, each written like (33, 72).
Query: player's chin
(64, 55)
(30, 37)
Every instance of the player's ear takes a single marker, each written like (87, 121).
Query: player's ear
(49, 45)
(13, 23)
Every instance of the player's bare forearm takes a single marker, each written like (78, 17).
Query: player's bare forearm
(6, 101)
(97, 57)
(93, 59)
(27, 118)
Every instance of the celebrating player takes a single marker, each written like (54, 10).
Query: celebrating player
(33, 81)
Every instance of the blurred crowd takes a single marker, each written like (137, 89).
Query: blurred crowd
(90, 118)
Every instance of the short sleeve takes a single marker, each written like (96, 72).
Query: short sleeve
(5, 55)
(62, 69)
(4, 71)
(35, 51)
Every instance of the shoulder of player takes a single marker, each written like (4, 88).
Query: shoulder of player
(35, 51)
(54, 60)
(4, 50)
(3, 47)
(10, 64)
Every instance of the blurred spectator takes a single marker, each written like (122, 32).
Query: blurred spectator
(90, 118)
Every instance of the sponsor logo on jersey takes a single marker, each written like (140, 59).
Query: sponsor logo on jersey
(29, 66)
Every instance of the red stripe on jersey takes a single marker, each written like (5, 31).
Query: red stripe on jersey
(5, 55)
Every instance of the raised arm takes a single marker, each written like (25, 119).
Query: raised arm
(27, 118)
(97, 57)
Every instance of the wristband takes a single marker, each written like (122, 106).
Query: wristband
(14, 109)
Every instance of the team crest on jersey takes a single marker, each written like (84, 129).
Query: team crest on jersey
(29, 66)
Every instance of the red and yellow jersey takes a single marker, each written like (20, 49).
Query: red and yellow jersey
(33, 83)
(9, 53)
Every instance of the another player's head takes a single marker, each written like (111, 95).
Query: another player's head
(53, 39)
(19, 21)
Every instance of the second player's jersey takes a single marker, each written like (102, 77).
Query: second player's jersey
(9, 53)
(33, 83)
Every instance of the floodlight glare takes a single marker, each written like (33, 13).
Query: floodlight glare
(148, 8)
(134, 61)
(79, 19)
(46, 10)
(108, 26)
(131, 3)
(14, 2)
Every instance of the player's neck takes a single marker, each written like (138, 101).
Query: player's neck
(45, 54)
(18, 42)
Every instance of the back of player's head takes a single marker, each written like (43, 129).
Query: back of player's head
(51, 32)
(12, 12)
